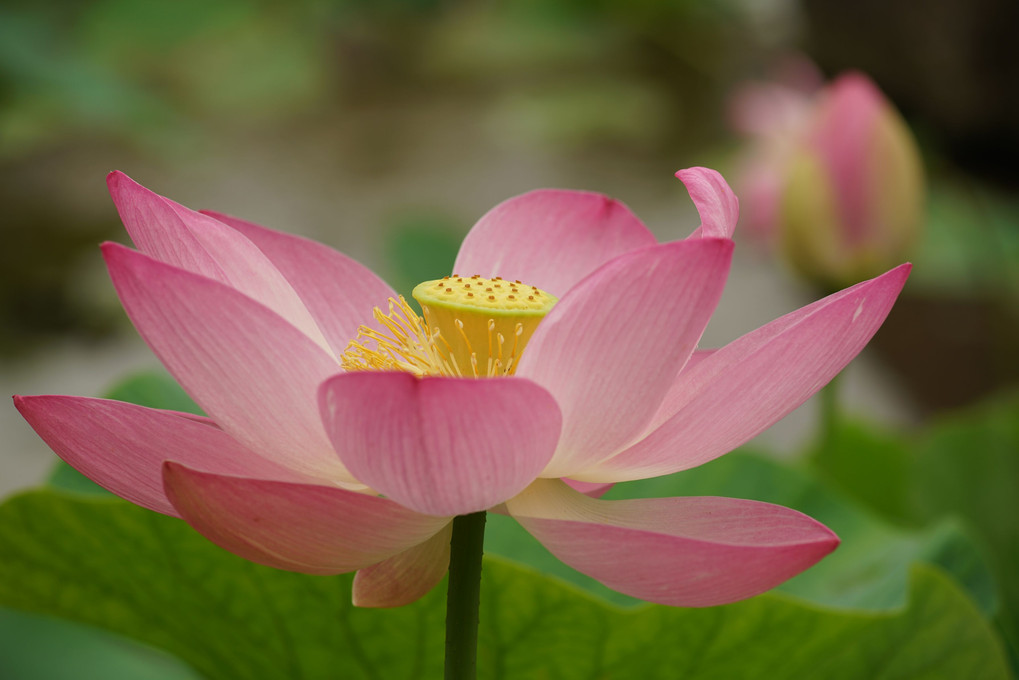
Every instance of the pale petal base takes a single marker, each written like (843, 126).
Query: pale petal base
(406, 577)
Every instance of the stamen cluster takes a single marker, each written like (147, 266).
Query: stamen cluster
(465, 331)
(409, 345)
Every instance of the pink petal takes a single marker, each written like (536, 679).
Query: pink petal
(253, 372)
(687, 552)
(309, 528)
(715, 202)
(338, 291)
(442, 446)
(122, 446)
(735, 393)
(582, 230)
(406, 577)
(173, 234)
(612, 346)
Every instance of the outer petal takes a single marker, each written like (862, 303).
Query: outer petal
(122, 446)
(404, 578)
(688, 552)
(611, 347)
(309, 528)
(443, 446)
(247, 367)
(733, 394)
(338, 291)
(584, 230)
(184, 238)
(715, 202)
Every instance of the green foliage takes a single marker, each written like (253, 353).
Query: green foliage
(968, 467)
(868, 464)
(152, 578)
(34, 647)
(964, 469)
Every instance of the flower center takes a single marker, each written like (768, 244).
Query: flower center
(472, 327)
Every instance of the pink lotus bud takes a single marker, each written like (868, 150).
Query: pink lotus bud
(841, 197)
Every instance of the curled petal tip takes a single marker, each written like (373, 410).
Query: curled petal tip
(715, 201)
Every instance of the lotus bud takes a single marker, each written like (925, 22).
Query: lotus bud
(842, 198)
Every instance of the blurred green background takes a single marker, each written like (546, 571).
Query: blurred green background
(387, 128)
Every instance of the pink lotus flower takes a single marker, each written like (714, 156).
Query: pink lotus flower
(305, 466)
(834, 180)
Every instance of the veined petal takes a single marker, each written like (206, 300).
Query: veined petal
(738, 391)
(442, 446)
(406, 577)
(173, 234)
(687, 552)
(714, 200)
(252, 371)
(611, 347)
(339, 292)
(157, 230)
(310, 528)
(122, 446)
(584, 230)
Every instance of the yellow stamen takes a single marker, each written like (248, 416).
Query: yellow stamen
(410, 345)
(457, 325)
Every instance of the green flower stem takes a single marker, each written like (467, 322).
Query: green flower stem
(463, 598)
